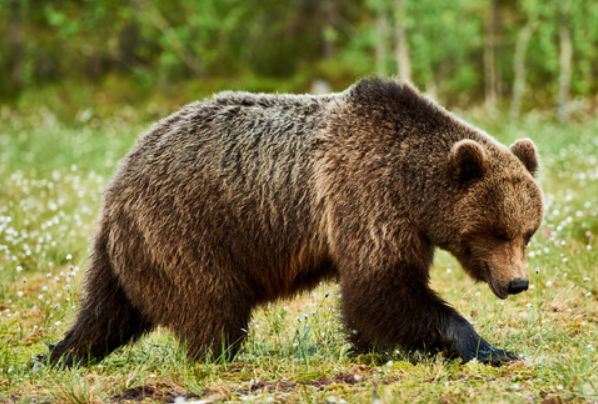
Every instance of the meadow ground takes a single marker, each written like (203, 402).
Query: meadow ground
(51, 179)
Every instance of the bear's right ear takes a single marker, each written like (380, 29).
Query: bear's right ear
(468, 160)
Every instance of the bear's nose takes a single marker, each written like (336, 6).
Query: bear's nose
(517, 285)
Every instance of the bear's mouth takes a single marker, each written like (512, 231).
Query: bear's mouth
(495, 287)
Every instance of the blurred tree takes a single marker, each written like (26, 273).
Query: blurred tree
(566, 50)
(490, 27)
(461, 51)
(584, 39)
(447, 45)
(329, 10)
(380, 8)
(16, 39)
(519, 67)
(174, 39)
(402, 48)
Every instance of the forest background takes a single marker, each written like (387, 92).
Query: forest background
(97, 55)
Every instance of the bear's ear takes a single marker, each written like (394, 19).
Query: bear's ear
(468, 160)
(525, 150)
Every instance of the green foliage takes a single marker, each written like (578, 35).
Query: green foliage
(445, 47)
(156, 44)
(543, 55)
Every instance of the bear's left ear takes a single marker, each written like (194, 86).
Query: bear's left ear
(468, 160)
(525, 150)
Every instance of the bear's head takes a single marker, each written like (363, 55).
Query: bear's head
(497, 208)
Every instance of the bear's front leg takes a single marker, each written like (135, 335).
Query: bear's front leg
(390, 307)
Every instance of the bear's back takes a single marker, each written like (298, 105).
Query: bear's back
(236, 171)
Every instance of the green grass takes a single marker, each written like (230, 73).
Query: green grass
(51, 179)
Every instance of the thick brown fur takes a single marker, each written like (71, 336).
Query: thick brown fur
(245, 198)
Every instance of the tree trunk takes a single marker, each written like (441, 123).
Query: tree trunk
(402, 51)
(566, 52)
(489, 58)
(329, 11)
(16, 40)
(519, 68)
(382, 36)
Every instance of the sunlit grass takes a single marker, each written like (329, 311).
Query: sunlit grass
(51, 181)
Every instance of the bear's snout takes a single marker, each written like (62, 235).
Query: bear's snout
(517, 285)
(507, 268)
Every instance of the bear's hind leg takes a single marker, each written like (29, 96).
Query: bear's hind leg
(106, 319)
(213, 324)
(218, 341)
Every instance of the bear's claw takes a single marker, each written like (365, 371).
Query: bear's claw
(496, 357)
(463, 341)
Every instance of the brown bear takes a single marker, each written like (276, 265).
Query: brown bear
(246, 198)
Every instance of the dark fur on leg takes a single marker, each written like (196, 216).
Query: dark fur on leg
(106, 320)
(359, 345)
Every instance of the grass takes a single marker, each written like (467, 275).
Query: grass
(51, 178)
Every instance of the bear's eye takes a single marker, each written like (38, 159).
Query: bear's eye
(502, 238)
